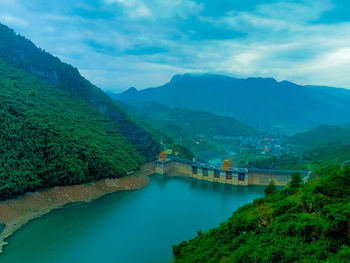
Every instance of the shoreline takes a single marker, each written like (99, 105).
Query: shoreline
(15, 213)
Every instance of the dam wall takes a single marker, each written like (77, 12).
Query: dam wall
(234, 176)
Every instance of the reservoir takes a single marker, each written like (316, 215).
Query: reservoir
(130, 226)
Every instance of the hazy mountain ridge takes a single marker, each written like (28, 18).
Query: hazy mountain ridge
(340, 93)
(192, 128)
(216, 125)
(254, 100)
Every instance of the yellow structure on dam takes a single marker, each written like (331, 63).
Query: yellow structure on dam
(225, 174)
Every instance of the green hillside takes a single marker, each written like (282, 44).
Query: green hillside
(187, 127)
(303, 223)
(321, 135)
(23, 54)
(56, 127)
(50, 137)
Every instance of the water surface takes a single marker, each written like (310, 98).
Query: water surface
(131, 226)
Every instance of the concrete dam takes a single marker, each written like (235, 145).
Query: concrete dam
(228, 174)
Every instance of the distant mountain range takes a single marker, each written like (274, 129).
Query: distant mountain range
(190, 121)
(262, 102)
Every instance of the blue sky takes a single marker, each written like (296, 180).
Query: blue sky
(121, 43)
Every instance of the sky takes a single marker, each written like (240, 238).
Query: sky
(118, 44)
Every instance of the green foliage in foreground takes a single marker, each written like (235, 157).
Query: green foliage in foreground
(305, 223)
(50, 137)
(271, 188)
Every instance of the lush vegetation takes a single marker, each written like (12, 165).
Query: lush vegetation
(302, 223)
(323, 154)
(191, 128)
(320, 135)
(49, 137)
(24, 55)
(57, 128)
(149, 120)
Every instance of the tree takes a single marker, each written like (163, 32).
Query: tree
(271, 188)
(296, 180)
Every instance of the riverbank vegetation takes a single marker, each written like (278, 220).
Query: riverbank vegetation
(302, 223)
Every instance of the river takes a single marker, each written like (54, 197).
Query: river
(129, 226)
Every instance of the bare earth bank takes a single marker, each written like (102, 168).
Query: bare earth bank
(15, 213)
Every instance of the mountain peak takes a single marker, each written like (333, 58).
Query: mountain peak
(179, 77)
(131, 90)
(280, 104)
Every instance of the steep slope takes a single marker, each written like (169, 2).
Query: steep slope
(23, 54)
(254, 100)
(303, 223)
(51, 137)
(168, 138)
(188, 126)
(321, 135)
(197, 122)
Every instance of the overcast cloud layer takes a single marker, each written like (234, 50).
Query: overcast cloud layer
(121, 43)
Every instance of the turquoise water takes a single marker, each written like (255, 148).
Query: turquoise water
(132, 226)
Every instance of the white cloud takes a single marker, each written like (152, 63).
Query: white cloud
(155, 9)
(280, 41)
(14, 21)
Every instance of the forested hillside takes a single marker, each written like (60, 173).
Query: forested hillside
(323, 134)
(23, 54)
(56, 127)
(189, 126)
(303, 223)
(50, 137)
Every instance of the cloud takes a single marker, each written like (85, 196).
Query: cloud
(122, 43)
(13, 21)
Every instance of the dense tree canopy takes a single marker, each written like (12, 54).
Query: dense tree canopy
(309, 223)
(24, 55)
(49, 137)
